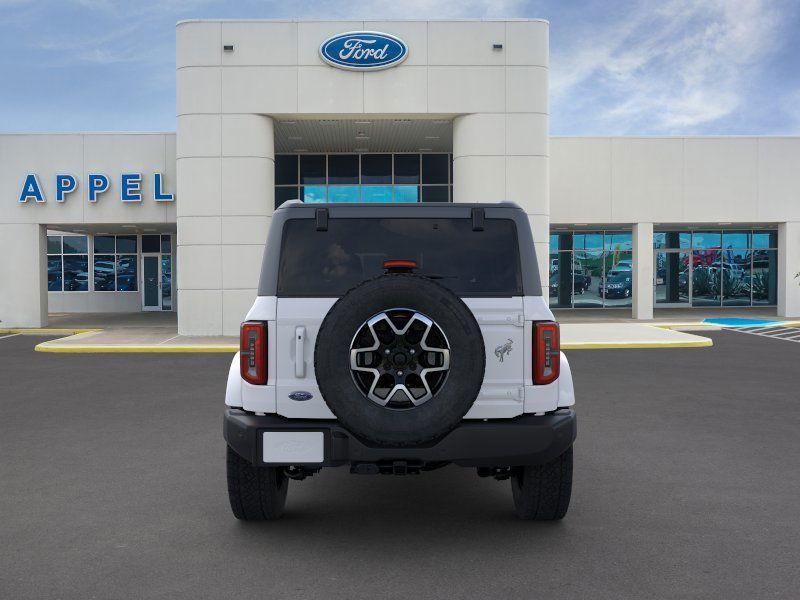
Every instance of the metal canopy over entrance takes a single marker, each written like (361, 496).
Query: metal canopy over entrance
(295, 135)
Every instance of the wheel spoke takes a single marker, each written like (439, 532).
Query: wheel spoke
(394, 343)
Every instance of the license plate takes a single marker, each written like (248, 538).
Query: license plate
(293, 447)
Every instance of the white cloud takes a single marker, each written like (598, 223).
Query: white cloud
(669, 69)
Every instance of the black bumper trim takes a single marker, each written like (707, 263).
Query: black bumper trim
(523, 440)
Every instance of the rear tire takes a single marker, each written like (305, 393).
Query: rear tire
(255, 493)
(542, 492)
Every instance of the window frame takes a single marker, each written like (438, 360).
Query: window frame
(299, 187)
(116, 256)
(87, 254)
(692, 249)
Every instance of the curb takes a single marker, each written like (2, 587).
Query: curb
(98, 349)
(704, 343)
(45, 331)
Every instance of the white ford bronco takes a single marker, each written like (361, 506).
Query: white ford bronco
(399, 339)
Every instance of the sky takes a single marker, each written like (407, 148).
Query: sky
(669, 67)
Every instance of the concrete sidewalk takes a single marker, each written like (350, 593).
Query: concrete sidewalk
(158, 333)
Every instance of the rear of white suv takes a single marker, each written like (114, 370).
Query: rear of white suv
(399, 339)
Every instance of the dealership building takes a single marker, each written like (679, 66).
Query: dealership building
(389, 111)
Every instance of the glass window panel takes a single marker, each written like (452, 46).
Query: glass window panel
(150, 243)
(672, 278)
(76, 273)
(706, 239)
(75, 244)
(126, 244)
(406, 193)
(765, 239)
(343, 193)
(54, 273)
(561, 279)
(470, 263)
(617, 285)
(588, 241)
(104, 272)
(736, 239)
(435, 193)
(672, 239)
(736, 277)
(376, 168)
(283, 194)
(314, 193)
(104, 244)
(166, 244)
(312, 168)
(553, 242)
(706, 277)
(343, 168)
(54, 244)
(166, 282)
(376, 193)
(285, 169)
(434, 168)
(126, 273)
(587, 275)
(565, 241)
(406, 168)
(618, 241)
(765, 277)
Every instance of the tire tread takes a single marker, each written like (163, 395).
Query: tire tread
(255, 493)
(543, 492)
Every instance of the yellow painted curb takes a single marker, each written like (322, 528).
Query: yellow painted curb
(98, 349)
(704, 343)
(46, 331)
(686, 326)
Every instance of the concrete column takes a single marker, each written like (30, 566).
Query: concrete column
(788, 269)
(642, 271)
(23, 273)
(505, 157)
(226, 174)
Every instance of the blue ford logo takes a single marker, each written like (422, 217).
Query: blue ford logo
(363, 50)
(301, 396)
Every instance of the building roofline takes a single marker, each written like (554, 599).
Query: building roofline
(463, 20)
(12, 133)
(716, 136)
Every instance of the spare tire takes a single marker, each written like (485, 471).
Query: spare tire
(399, 360)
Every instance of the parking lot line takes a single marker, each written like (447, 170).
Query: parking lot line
(2, 337)
(790, 334)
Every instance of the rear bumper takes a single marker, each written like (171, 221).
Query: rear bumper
(524, 440)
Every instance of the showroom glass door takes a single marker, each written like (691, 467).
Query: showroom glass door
(151, 280)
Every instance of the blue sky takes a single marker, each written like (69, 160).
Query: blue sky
(617, 68)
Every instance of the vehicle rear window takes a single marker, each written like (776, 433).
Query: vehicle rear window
(328, 263)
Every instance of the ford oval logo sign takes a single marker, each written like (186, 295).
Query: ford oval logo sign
(301, 396)
(363, 50)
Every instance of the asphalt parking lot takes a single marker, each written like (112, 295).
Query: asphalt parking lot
(687, 485)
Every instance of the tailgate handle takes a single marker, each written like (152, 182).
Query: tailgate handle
(299, 351)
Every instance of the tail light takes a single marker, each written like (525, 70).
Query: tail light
(253, 352)
(546, 352)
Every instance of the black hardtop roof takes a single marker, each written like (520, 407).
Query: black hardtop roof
(433, 210)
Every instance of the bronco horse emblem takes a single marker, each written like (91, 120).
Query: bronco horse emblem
(504, 349)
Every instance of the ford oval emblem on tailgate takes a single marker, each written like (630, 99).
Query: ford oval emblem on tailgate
(301, 396)
(363, 50)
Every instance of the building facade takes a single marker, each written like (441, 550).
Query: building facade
(270, 111)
